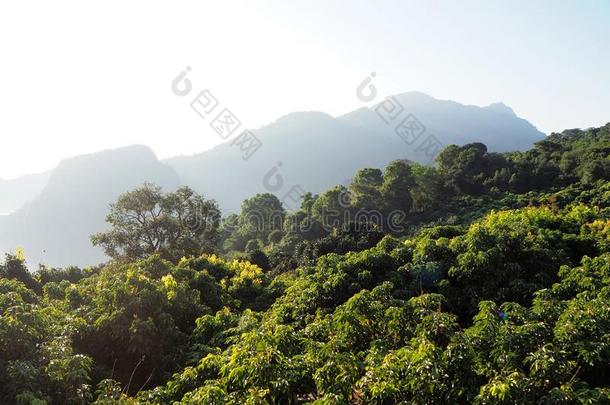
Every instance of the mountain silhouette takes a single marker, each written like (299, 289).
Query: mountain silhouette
(317, 151)
(302, 151)
(15, 193)
(54, 228)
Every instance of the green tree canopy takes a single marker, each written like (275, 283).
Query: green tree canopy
(147, 221)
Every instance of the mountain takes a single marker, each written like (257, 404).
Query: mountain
(496, 125)
(311, 149)
(15, 193)
(55, 227)
(302, 151)
(317, 151)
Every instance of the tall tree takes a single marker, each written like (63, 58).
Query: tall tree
(398, 181)
(147, 221)
(364, 188)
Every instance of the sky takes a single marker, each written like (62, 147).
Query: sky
(78, 77)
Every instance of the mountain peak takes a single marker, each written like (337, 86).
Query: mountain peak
(141, 151)
(299, 116)
(414, 97)
(502, 108)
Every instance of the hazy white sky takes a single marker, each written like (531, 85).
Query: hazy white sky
(78, 77)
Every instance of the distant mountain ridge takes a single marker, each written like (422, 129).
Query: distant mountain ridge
(318, 151)
(16, 192)
(450, 122)
(57, 224)
(311, 151)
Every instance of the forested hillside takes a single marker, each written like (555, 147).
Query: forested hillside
(484, 279)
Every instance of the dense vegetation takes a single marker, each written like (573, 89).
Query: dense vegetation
(485, 279)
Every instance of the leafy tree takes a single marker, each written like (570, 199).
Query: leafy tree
(365, 189)
(146, 221)
(398, 180)
(260, 216)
